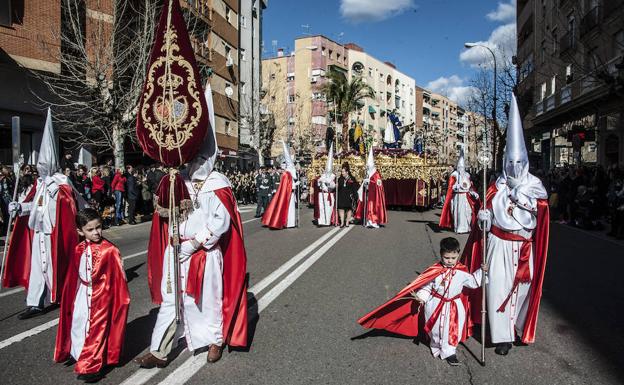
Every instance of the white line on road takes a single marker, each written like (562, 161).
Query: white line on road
(193, 364)
(29, 333)
(250, 220)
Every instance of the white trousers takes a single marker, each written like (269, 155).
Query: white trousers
(325, 208)
(439, 334)
(292, 211)
(80, 320)
(503, 262)
(461, 212)
(202, 324)
(41, 270)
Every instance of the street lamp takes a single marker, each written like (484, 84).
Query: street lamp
(495, 122)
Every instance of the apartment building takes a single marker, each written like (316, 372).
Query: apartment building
(394, 93)
(250, 36)
(292, 85)
(215, 40)
(571, 80)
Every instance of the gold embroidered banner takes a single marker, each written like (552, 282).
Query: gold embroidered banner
(172, 119)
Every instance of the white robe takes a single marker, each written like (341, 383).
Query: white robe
(42, 219)
(292, 206)
(326, 202)
(440, 346)
(200, 325)
(460, 207)
(82, 305)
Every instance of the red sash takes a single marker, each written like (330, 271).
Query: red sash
(453, 316)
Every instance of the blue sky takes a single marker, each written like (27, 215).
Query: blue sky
(424, 39)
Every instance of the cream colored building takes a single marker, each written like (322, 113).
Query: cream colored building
(393, 89)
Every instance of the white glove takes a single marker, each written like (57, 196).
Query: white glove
(455, 187)
(512, 182)
(485, 219)
(366, 181)
(325, 189)
(14, 208)
(187, 248)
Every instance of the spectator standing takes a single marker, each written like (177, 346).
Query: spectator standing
(68, 161)
(97, 188)
(118, 186)
(132, 193)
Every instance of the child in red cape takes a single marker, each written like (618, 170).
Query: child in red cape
(440, 291)
(94, 305)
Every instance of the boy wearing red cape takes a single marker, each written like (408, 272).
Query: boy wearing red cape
(517, 219)
(461, 202)
(375, 204)
(44, 235)
(437, 298)
(212, 265)
(282, 210)
(94, 308)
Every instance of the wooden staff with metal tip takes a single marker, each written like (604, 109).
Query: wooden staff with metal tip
(17, 167)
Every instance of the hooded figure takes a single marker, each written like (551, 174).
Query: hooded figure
(44, 236)
(517, 218)
(324, 203)
(461, 203)
(212, 263)
(282, 210)
(372, 199)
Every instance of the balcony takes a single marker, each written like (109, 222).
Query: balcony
(566, 94)
(591, 20)
(567, 42)
(539, 108)
(202, 7)
(550, 102)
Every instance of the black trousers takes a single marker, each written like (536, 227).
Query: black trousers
(263, 202)
(132, 210)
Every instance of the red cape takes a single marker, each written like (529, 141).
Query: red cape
(446, 219)
(401, 313)
(276, 214)
(376, 202)
(110, 300)
(472, 257)
(234, 270)
(64, 239)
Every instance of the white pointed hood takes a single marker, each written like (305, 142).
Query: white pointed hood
(201, 167)
(461, 163)
(370, 163)
(289, 165)
(516, 159)
(329, 166)
(48, 163)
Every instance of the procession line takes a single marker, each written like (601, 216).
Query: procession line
(142, 376)
(193, 364)
(20, 289)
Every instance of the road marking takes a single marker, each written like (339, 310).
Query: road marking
(29, 333)
(193, 364)
(142, 376)
(250, 220)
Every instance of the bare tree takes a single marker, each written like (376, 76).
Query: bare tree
(103, 66)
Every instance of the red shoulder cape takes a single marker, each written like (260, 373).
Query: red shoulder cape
(109, 309)
(376, 202)
(473, 255)
(401, 313)
(446, 219)
(234, 270)
(317, 207)
(276, 214)
(64, 239)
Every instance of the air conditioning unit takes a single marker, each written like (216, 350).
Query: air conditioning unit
(314, 79)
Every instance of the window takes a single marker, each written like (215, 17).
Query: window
(6, 13)
(242, 88)
(555, 45)
(291, 98)
(290, 78)
(243, 54)
(543, 51)
(338, 56)
(618, 43)
(323, 51)
(553, 84)
(571, 29)
(569, 75)
(543, 91)
(272, 76)
(243, 22)
(228, 128)
(331, 54)
(319, 119)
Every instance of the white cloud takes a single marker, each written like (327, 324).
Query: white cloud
(373, 10)
(453, 88)
(502, 41)
(504, 12)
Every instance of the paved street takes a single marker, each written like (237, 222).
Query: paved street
(308, 286)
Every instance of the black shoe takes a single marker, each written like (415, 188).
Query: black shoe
(31, 312)
(90, 377)
(132, 223)
(503, 348)
(452, 360)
